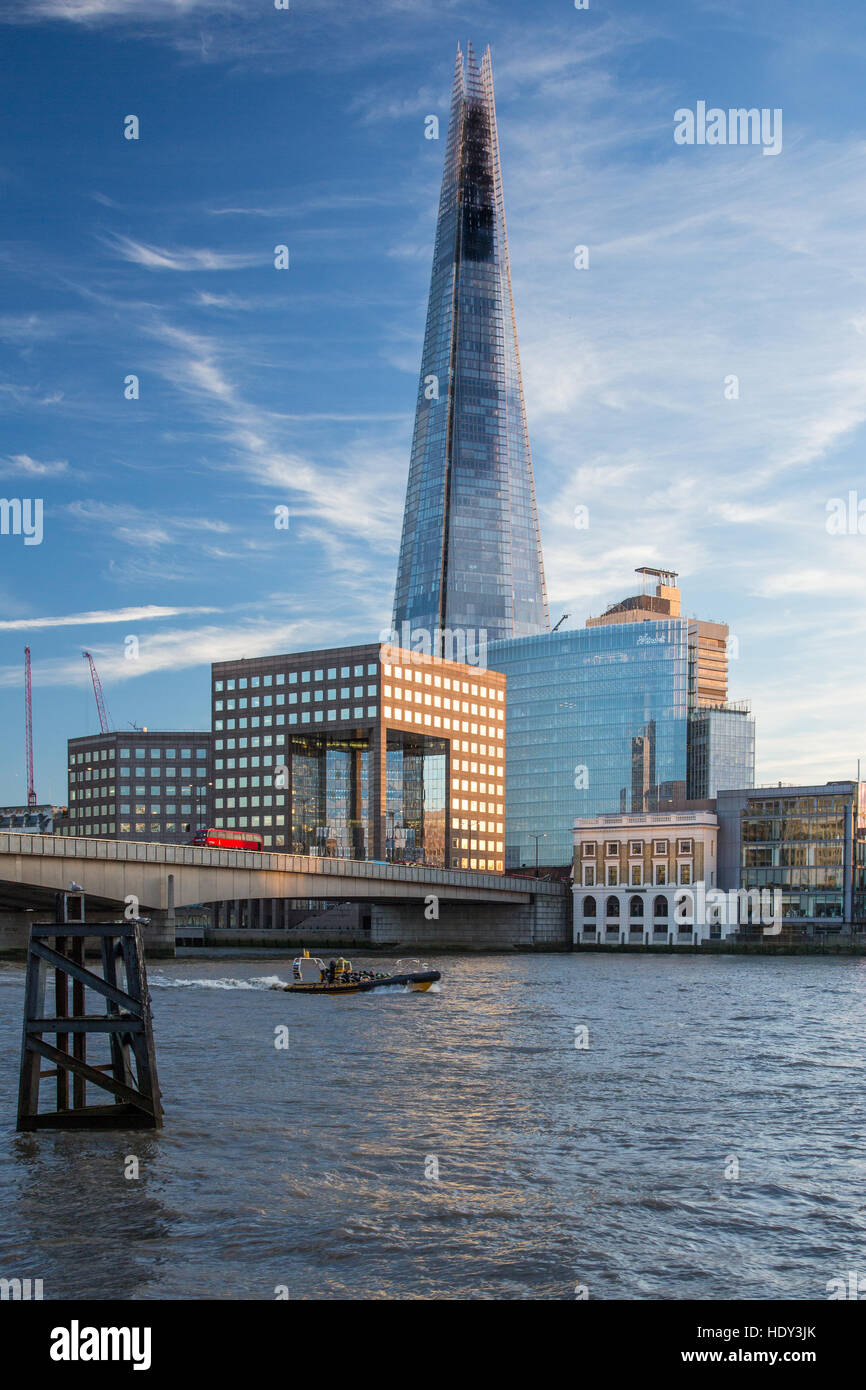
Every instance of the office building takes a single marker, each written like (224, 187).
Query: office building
(807, 841)
(721, 752)
(597, 722)
(141, 785)
(470, 558)
(628, 714)
(364, 752)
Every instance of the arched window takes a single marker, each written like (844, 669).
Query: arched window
(612, 907)
(636, 907)
(660, 907)
(589, 907)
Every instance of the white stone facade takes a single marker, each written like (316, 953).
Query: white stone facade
(628, 870)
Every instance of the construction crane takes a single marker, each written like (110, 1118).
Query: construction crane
(101, 710)
(561, 621)
(28, 729)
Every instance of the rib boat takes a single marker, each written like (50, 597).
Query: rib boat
(310, 975)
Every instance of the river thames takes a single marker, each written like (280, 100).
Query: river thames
(540, 1127)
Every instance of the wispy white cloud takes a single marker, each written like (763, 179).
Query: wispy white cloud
(140, 529)
(23, 463)
(142, 614)
(183, 649)
(189, 258)
(358, 495)
(101, 11)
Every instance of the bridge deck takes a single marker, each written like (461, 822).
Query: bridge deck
(205, 874)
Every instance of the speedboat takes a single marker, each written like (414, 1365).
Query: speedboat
(310, 975)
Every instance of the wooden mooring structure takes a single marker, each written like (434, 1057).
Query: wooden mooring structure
(130, 1075)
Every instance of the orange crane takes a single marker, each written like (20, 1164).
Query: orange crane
(101, 710)
(28, 729)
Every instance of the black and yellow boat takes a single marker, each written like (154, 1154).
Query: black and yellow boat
(310, 975)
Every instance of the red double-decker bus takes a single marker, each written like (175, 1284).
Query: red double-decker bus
(229, 839)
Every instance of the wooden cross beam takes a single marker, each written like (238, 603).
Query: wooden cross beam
(130, 1077)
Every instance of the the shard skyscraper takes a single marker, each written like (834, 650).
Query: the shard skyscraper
(470, 557)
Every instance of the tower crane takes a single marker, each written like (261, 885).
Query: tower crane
(101, 710)
(28, 729)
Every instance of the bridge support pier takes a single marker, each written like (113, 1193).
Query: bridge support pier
(540, 925)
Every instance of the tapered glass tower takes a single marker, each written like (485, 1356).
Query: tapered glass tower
(470, 556)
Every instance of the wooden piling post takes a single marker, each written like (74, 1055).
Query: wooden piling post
(131, 1081)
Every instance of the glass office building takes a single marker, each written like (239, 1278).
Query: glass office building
(809, 842)
(721, 750)
(470, 557)
(597, 723)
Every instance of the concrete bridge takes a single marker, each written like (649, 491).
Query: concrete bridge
(412, 905)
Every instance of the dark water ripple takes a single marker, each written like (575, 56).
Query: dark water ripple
(557, 1166)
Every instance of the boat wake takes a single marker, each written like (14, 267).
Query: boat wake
(258, 982)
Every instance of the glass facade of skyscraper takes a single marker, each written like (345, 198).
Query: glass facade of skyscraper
(470, 556)
(721, 751)
(597, 723)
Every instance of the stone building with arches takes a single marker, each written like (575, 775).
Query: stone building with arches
(628, 870)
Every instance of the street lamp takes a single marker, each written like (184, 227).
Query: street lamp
(536, 838)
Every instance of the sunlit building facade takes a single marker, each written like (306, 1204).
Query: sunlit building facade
(629, 870)
(364, 752)
(470, 557)
(597, 722)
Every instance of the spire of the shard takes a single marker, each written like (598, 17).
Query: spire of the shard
(470, 557)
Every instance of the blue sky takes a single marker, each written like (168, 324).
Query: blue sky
(261, 388)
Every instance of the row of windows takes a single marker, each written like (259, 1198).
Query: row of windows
(461, 842)
(461, 784)
(589, 908)
(428, 678)
(421, 697)
(244, 822)
(128, 808)
(96, 755)
(104, 774)
(153, 827)
(293, 677)
(636, 848)
(485, 769)
(357, 692)
(636, 875)
(437, 721)
(267, 721)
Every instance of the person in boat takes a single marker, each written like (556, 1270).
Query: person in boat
(332, 966)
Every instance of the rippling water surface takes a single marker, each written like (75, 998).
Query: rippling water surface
(557, 1165)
